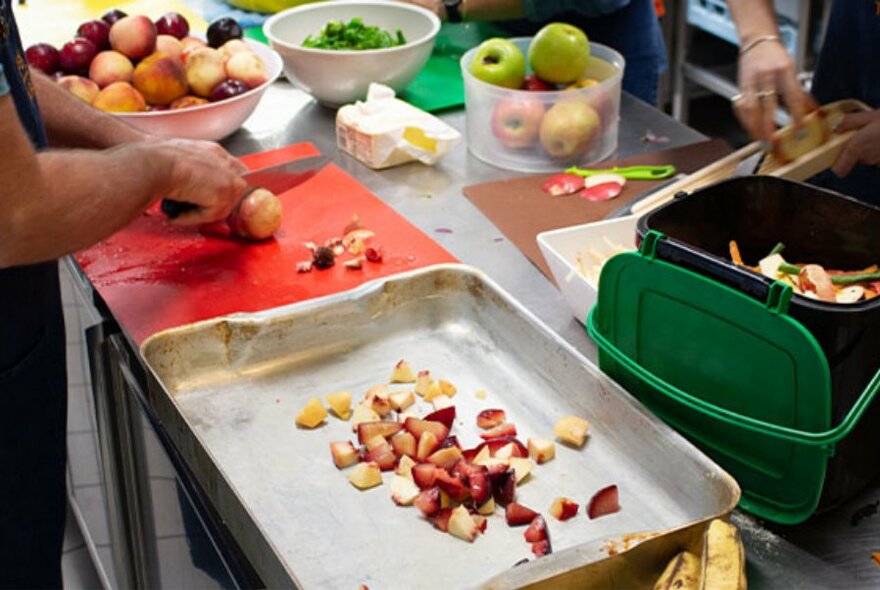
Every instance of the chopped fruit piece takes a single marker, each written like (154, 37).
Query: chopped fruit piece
(462, 525)
(419, 427)
(404, 444)
(428, 502)
(537, 530)
(304, 266)
(462, 470)
(354, 263)
(344, 454)
(443, 415)
(424, 475)
(404, 491)
(361, 414)
(507, 451)
(365, 476)
(453, 486)
(521, 467)
(491, 418)
(503, 487)
(541, 450)
(377, 398)
(404, 467)
(368, 430)
(340, 403)
(312, 414)
(445, 500)
(441, 520)
(380, 389)
(403, 373)
(542, 548)
(402, 400)
(447, 388)
(480, 394)
(480, 485)
(504, 429)
(572, 430)
(402, 417)
(428, 443)
(432, 391)
(563, 509)
(451, 441)
(496, 444)
(605, 501)
(519, 515)
(445, 458)
(482, 456)
(495, 465)
(442, 401)
(423, 382)
(375, 442)
(481, 521)
(487, 508)
(374, 253)
(383, 456)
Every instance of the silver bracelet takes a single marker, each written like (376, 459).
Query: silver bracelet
(757, 41)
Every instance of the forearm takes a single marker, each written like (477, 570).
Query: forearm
(753, 19)
(493, 9)
(70, 122)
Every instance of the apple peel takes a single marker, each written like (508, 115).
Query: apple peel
(561, 185)
(596, 179)
(601, 192)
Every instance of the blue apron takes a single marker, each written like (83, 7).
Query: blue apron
(848, 67)
(33, 382)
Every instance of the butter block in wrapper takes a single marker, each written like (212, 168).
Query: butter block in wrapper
(384, 131)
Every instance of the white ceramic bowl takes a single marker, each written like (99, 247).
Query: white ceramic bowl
(213, 121)
(341, 77)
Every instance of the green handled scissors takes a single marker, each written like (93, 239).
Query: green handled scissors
(629, 172)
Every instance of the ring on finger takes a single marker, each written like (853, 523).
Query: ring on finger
(765, 94)
(737, 97)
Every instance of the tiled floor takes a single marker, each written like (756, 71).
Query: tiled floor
(76, 563)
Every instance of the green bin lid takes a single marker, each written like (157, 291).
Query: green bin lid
(676, 331)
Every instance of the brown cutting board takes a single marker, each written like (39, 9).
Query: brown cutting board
(521, 210)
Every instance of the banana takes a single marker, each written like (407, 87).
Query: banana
(724, 561)
(682, 573)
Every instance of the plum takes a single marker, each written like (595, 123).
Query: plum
(222, 30)
(257, 216)
(77, 55)
(44, 57)
(228, 89)
(111, 16)
(174, 24)
(96, 31)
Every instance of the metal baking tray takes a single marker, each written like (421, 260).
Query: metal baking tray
(228, 390)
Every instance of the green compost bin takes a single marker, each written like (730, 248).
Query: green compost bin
(740, 378)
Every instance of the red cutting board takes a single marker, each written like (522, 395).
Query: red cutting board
(155, 276)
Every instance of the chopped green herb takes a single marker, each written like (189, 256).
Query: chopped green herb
(353, 35)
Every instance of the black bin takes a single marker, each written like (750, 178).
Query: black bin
(816, 226)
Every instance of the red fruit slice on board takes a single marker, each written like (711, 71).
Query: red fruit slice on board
(561, 185)
(604, 502)
(601, 192)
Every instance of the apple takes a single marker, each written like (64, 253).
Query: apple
(96, 31)
(499, 62)
(44, 57)
(80, 87)
(76, 56)
(185, 102)
(535, 84)
(173, 24)
(403, 373)
(247, 67)
(111, 16)
(110, 66)
(170, 45)
(568, 128)
(120, 97)
(134, 36)
(161, 78)
(559, 53)
(257, 216)
(205, 68)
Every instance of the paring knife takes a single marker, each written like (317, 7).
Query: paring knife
(750, 165)
(275, 179)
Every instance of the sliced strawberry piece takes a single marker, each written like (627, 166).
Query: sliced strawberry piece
(451, 441)
(560, 185)
(605, 501)
(441, 519)
(424, 475)
(601, 192)
(537, 530)
(519, 515)
(502, 430)
(480, 484)
(497, 443)
(504, 487)
(453, 486)
(428, 501)
(491, 418)
(444, 416)
(368, 430)
(542, 548)
(418, 427)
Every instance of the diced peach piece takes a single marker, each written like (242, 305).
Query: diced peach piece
(445, 458)
(312, 414)
(403, 373)
(384, 428)
(404, 491)
(428, 443)
(423, 382)
(491, 417)
(447, 388)
(487, 508)
(365, 476)
(344, 454)
(563, 509)
(572, 430)
(432, 391)
(340, 403)
(404, 444)
(362, 413)
(507, 451)
(375, 442)
(482, 456)
(442, 401)
(420, 427)
(521, 467)
(462, 525)
(402, 400)
(377, 398)
(541, 450)
(404, 467)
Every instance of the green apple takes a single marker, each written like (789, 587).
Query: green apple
(499, 62)
(569, 128)
(559, 53)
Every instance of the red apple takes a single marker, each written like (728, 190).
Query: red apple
(134, 36)
(44, 57)
(96, 31)
(517, 122)
(535, 84)
(76, 56)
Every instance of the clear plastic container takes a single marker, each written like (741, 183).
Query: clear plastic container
(501, 144)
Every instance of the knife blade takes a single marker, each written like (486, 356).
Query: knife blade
(750, 165)
(276, 179)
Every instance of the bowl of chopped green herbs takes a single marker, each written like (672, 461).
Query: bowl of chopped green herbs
(334, 50)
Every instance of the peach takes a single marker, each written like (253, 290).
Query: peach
(109, 67)
(190, 44)
(80, 87)
(160, 78)
(134, 36)
(120, 97)
(247, 67)
(257, 217)
(184, 102)
(234, 46)
(170, 45)
(205, 69)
